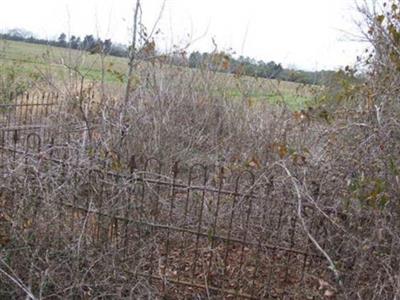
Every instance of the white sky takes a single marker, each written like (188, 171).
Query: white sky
(303, 33)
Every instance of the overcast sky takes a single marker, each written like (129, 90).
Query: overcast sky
(310, 34)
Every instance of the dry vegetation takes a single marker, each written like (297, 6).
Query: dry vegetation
(78, 222)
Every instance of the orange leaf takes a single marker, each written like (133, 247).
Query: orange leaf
(254, 163)
(282, 151)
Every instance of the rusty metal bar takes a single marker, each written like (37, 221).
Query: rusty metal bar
(246, 225)
(175, 171)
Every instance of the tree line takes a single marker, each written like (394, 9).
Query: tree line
(224, 62)
(88, 43)
(217, 61)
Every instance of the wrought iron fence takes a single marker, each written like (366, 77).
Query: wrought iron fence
(186, 228)
(27, 109)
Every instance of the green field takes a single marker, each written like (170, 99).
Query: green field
(40, 62)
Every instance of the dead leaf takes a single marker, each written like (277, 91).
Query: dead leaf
(254, 163)
(329, 294)
(282, 151)
(323, 284)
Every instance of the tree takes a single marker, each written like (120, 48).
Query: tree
(74, 42)
(19, 33)
(118, 50)
(195, 59)
(62, 40)
(88, 42)
(107, 46)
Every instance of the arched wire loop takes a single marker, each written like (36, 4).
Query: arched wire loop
(203, 169)
(241, 175)
(203, 176)
(150, 161)
(31, 138)
(132, 164)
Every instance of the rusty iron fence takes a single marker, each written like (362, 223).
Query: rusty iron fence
(27, 109)
(186, 228)
(25, 114)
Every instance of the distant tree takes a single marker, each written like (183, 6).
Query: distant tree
(89, 42)
(78, 42)
(107, 46)
(119, 50)
(179, 58)
(62, 40)
(97, 47)
(74, 42)
(195, 59)
(19, 33)
(273, 69)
